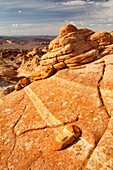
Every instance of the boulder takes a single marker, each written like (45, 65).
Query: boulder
(22, 83)
(67, 28)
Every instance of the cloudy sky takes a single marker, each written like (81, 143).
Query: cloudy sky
(45, 17)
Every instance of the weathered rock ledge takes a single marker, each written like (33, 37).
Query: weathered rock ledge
(72, 48)
(31, 118)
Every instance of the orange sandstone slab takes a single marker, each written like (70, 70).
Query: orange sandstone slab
(102, 157)
(32, 118)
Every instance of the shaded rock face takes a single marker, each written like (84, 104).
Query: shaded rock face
(34, 118)
(66, 120)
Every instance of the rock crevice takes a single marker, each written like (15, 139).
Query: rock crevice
(99, 88)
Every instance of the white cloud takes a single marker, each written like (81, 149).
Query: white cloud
(43, 17)
(31, 29)
(19, 11)
(16, 25)
(71, 3)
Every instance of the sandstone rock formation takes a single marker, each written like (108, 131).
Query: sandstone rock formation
(32, 119)
(75, 47)
(72, 48)
(30, 62)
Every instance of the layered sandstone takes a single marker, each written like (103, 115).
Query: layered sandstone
(66, 120)
(75, 47)
(72, 48)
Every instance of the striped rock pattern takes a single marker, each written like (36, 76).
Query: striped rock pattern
(72, 48)
(30, 120)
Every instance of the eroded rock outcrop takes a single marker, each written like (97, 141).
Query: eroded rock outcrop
(30, 62)
(10, 61)
(73, 47)
(62, 122)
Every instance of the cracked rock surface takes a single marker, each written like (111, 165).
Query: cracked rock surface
(31, 118)
(79, 94)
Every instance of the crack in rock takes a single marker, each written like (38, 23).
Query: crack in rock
(48, 127)
(14, 140)
(99, 88)
(103, 105)
(91, 152)
(17, 122)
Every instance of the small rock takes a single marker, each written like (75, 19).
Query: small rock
(22, 83)
(74, 129)
(69, 134)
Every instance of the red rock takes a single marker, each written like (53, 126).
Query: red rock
(42, 72)
(63, 139)
(34, 52)
(67, 28)
(73, 47)
(39, 112)
(22, 83)
(38, 123)
(74, 129)
(69, 38)
(85, 30)
(59, 65)
(83, 58)
(54, 43)
(87, 47)
(94, 44)
(101, 36)
(50, 61)
(103, 151)
(45, 50)
(28, 65)
(67, 49)
(9, 73)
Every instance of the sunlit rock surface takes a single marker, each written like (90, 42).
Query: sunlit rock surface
(32, 118)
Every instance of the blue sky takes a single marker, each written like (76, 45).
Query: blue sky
(45, 17)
